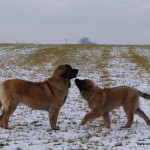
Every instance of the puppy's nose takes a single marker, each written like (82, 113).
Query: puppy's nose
(77, 81)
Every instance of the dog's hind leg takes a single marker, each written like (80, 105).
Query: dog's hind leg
(130, 115)
(107, 120)
(130, 105)
(141, 113)
(1, 116)
(6, 116)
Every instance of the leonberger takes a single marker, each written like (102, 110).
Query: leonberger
(48, 95)
(102, 101)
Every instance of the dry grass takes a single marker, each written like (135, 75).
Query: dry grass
(102, 64)
(78, 55)
(56, 54)
(141, 61)
(17, 46)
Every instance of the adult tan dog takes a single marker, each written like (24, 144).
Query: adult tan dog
(49, 95)
(102, 101)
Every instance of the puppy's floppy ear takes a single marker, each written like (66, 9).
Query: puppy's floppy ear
(89, 85)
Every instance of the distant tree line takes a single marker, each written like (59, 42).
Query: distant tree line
(86, 40)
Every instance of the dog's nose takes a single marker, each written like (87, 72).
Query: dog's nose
(76, 71)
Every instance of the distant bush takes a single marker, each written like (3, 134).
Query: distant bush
(85, 40)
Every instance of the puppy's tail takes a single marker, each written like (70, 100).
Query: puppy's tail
(144, 95)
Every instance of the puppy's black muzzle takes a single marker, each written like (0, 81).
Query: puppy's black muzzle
(80, 84)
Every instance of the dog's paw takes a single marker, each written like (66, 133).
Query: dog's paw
(82, 123)
(148, 122)
(8, 128)
(126, 126)
(1, 125)
(56, 128)
(108, 126)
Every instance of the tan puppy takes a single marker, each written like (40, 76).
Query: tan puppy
(49, 95)
(102, 101)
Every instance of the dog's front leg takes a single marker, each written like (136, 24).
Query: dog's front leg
(53, 115)
(90, 116)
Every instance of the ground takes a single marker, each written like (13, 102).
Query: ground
(107, 65)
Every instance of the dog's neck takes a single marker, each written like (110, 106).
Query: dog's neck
(94, 96)
(60, 80)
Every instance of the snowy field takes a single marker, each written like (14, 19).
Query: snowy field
(108, 66)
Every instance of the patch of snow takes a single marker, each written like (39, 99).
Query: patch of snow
(31, 128)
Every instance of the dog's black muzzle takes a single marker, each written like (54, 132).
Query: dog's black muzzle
(73, 73)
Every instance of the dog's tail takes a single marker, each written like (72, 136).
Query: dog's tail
(144, 95)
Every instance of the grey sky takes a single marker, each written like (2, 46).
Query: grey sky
(53, 21)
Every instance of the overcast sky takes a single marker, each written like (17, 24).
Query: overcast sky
(53, 21)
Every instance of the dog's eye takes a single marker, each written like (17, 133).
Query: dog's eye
(85, 84)
(68, 67)
(60, 67)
